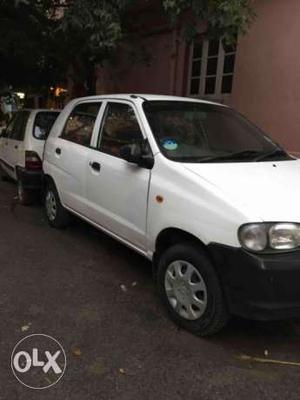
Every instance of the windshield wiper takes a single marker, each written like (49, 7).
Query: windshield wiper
(232, 156)
(275, 152)
(249, 155)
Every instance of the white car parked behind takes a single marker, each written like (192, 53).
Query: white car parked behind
(194, 187)
(21, 149)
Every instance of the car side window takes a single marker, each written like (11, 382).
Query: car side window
(80, 124)
(43, 123)
(10, 126)
(119, 128)
(17, 131)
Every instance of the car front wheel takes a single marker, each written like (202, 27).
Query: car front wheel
(191, 290)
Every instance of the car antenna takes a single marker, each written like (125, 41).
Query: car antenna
(134, 96)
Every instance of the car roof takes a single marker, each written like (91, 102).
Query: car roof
(147, 97)
(39, 110)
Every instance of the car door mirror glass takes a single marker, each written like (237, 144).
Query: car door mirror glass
(131, 153)
(136, 154)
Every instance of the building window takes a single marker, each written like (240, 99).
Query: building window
(211, 69)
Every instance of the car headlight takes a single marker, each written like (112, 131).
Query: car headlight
(254, 237)
(267, 236)
(284, 236)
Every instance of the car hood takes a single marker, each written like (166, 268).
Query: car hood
(268, 190)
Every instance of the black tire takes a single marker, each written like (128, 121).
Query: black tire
(3, 175)
(61, 218)
(25, 197)
(215, 316)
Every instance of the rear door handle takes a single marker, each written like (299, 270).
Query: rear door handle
(95, 166)
(16, 147)
(58, 150)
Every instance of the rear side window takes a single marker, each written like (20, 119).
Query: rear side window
(80, 124)
(10, 126)
(119, 128)
(17, 129)
(43, 123)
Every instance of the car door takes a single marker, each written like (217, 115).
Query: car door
(12, 131)
(69, 153)
(3, 145)
(15, 147)
(117, 191)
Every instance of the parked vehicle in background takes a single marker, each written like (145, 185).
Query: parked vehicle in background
(194, 187)
(21, 149)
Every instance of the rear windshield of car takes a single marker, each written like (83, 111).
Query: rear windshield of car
(43, 124)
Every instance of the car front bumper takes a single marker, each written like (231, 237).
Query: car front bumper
(260, 287)
(31, 180)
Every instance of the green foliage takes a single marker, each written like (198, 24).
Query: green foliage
(224, 18)
(23, 44)
(43, 41)
(96, 24)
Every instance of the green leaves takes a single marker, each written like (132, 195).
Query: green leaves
(23, 43)
(96, 24)
(47, 39)
(224, 18)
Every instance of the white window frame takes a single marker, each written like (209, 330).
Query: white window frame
(217, 95)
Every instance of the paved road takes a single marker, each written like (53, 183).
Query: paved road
(120, 344)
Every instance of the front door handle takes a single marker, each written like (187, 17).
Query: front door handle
(58, 151)
(95, 166)
(16, 146)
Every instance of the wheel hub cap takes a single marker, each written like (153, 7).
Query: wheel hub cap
(181, 291)
(20, 191)
(51, 207)
(186, 290)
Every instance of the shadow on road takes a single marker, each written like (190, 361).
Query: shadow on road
(238, 332)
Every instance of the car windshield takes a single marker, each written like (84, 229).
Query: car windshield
(43, 123)
(202, 132)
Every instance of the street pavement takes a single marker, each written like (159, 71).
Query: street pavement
(97, 298)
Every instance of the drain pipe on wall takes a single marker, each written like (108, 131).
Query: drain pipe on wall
(174, 60)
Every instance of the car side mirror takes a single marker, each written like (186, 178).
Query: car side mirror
(135, 154)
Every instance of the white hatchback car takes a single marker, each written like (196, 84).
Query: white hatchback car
(21, 149)
(192, 186)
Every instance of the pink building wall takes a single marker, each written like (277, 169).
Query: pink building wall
(267, 74)
(153, 75)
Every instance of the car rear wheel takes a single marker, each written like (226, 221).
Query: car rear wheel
(25, 196)
(3, 175)
(57, 215)
(191, 290)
